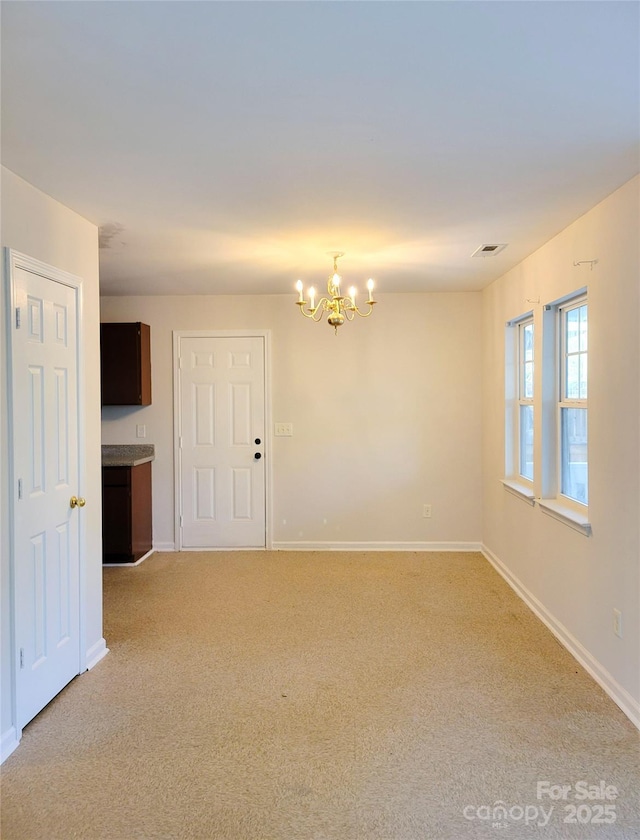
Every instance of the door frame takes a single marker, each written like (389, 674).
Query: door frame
(178, 335)
(16, 260)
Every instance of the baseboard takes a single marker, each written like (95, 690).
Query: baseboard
(328, 545)
(620, 696)
(210, 548)
(376, 546)
(128, 565)
(8, 743)
(96, 653)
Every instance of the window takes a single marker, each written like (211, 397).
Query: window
(519, 407)
(572, 403)
(525, 398)
(546, 389)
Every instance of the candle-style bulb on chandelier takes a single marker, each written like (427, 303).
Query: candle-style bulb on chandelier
(337, 306)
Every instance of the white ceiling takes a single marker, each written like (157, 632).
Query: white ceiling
(225, 147)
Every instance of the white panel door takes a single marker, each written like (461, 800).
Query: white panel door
(221, 441)
(46, 528)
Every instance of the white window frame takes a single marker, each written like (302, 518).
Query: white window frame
(552, 501)
(566, 402)
(523, 400)
(514, 481)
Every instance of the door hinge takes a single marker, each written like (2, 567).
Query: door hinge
(18, 318)
(19, 488)
(21, 658)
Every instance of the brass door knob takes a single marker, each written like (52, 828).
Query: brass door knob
(74, 501)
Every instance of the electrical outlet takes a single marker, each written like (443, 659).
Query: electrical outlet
(617, 623)
(426, 511)
(141, 430)
(284, 429)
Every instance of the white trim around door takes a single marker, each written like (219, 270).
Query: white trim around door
(179, 337)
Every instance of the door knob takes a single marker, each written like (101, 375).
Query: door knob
(74, 502)
(258, 441)
(257, 456)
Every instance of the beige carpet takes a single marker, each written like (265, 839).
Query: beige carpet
(322, 696)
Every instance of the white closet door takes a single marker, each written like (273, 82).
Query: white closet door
(45, 435)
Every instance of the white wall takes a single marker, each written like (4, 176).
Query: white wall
(579, 580)
(386, 415)
(35, 224)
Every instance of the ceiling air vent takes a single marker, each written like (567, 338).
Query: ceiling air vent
(488, 250)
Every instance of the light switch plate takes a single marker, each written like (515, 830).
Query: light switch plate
(284, 429)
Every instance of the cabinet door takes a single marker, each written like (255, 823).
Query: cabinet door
(125, 363)
(144, 349)
(141, 528)
(116, 523)
(126, 513)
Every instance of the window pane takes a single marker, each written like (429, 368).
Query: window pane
(573, 330)
(526, 361)
(528, 381)
(583, 327)
(526, 441)
(527, 342)
(574, 454)
(572, 386)
(583, 376)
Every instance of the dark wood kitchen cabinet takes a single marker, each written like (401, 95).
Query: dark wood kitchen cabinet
(126, 513)
(125, 363)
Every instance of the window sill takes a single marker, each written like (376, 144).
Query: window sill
(521, 491)
(577, 521)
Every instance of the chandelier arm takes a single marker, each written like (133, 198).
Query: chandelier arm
(366, 314)
(320, 308)
(349, 314)
(301, 304)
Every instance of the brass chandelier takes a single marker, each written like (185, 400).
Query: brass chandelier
(337, 306)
